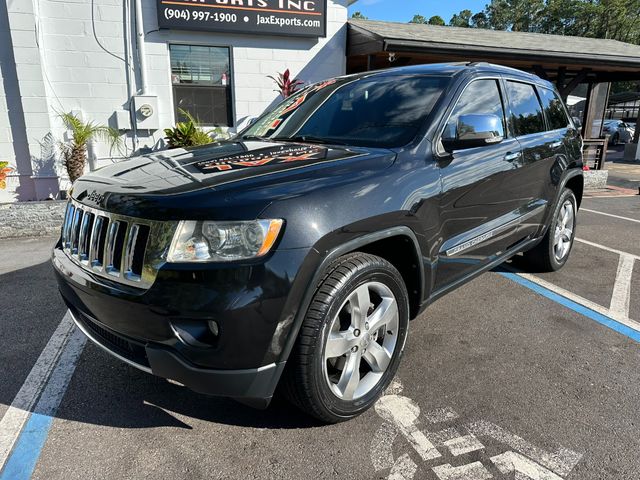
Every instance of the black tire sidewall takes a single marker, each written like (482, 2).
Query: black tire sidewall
(346, 409)
(566, 195)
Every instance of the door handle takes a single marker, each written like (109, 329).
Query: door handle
(556, 144)
(511, 156)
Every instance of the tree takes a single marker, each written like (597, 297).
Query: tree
(480, 20)
(461, 19)
(359, 16)
(74, 152)
(613, 19)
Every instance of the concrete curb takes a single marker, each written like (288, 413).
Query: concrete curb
(31, 219)
(595, 179)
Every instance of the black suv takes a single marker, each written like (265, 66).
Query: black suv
(296, 253)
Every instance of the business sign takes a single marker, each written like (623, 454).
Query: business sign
(302, 18)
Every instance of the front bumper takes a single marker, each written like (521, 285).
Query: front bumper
(244, 361)
(254, 386)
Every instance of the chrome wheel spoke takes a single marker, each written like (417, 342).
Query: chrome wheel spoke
(338, 344)
(350, 378)
(386, 312)
(377, 357)
(360, 302)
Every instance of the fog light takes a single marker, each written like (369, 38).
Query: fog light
(213, 326)
(196, 333)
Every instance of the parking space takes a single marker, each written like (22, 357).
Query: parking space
(511, 376)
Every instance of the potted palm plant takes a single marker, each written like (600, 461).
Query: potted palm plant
(74, 151)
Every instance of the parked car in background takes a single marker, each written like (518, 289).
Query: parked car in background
(297, 252)
(618, 131)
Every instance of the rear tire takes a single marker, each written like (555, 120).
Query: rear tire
(346, 355)
(615, 139)
(553, 251)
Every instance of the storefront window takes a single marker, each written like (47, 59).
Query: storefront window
(201, 78)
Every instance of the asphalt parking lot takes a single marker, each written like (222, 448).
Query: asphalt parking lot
(511, 376)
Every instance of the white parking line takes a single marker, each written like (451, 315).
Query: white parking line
(610, 215)
(510, 462)
(608, 249)
(581, 300)
(18, 413)
(621, 297)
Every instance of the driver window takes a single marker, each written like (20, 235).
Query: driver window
(481, 97)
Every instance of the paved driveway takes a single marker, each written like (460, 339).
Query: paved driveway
(512, 376)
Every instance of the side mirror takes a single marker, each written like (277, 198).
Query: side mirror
(475, 131)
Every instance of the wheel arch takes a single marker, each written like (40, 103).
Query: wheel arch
(369, 243)
(575, 183)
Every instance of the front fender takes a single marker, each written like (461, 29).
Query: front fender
(325, 252)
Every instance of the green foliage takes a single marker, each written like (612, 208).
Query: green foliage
(359, 16)
(480, 20)
(462, 19)
(190, 134)
(435, 20)
(83, 132)
(74, 151)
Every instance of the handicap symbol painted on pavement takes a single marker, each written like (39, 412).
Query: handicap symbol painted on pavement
(442, 444)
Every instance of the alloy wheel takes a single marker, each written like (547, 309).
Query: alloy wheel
(362, 340)
(564, 231)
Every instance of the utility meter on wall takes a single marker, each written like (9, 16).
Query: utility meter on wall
(146, 112)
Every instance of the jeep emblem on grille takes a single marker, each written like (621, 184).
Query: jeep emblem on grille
(95, 197)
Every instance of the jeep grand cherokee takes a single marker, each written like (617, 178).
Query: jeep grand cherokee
(297, 252)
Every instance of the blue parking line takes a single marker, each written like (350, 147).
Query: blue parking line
(31, 440)
(576, 307)
(25, 454)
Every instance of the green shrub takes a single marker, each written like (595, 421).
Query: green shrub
(191, 134)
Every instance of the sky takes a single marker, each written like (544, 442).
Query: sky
(404, 10)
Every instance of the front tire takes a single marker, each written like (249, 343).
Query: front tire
(553, 251)
(351, 340)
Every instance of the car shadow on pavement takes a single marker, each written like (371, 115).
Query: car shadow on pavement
(30, 311)
(107, 392)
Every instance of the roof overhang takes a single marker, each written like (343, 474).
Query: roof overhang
(598, 60)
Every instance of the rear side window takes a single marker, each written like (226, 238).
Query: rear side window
(481, 97)
(526, 112)
(554, 109)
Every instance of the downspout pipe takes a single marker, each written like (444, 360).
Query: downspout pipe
(142, 50)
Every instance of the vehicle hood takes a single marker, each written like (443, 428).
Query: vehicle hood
(235, 175)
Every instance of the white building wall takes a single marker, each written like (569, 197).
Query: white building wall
(78, 65)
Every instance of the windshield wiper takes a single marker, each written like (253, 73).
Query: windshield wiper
(311, 139)
(255, 137)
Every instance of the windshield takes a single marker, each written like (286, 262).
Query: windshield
(368, 112)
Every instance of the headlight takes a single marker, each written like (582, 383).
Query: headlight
(223, 241)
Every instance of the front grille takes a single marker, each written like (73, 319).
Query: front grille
(130, 350)
(114, 246)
